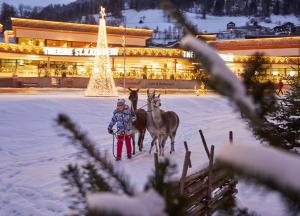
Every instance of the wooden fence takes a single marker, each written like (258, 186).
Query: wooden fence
(208, 188)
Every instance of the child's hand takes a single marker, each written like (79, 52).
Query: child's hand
(110, 131)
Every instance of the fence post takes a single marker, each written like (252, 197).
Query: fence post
(209, 180)
(204, 143)
(186, 150)
(230, 137)
(184, 171)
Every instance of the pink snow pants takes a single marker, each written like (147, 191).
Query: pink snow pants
(127, 139)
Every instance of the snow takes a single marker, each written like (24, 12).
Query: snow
(212, 24)
(32, 154)
(148, 203)
(267, 162)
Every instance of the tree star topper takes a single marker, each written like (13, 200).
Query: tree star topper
(102, 12)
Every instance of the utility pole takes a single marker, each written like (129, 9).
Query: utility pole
(124, 53)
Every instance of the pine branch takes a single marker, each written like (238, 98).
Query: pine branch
(87, 148)
(72, 175)
(96, 181)
(160, 181)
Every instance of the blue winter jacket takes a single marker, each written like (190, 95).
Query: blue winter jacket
(124, 120)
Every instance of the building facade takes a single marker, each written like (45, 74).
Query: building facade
(41, 52)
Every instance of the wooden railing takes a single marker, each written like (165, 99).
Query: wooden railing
(208, 188)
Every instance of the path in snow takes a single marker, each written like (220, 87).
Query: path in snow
(32, 154)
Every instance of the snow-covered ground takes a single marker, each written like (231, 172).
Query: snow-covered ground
(154, 18)
(32, 154)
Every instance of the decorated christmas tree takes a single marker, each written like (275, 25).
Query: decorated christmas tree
(101, 82)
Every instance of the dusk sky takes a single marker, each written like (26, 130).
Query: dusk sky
(35, 2)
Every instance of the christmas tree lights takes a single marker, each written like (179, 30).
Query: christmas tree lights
(101, 82)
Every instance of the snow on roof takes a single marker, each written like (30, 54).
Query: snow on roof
(149, 203)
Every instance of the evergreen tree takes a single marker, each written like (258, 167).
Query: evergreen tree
(219, 7)
(253, 7)
(7, 11)
(116, 8)
(286, 117)
(228, 7)
(297, 7)
(246, 10)
(286, 7)
(266, 7)
(262, 93)
(280, 125)
(276, 8)
(204, 9)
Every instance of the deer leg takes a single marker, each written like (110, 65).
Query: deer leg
(139, 141)
(142, 139)
(163, 145)
(152, 143)
(159, 148)
(172, 137)
(160, 143)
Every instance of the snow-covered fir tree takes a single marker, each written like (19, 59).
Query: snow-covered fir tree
(286, 116)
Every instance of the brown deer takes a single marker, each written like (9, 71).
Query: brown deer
(140, 124)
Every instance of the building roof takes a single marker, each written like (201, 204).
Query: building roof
(207, 37)
(65, 26)
(261, 43)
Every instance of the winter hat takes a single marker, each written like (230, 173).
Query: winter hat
(121, 102)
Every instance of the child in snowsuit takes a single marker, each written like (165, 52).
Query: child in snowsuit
(123, 117)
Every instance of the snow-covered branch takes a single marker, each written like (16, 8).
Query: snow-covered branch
(144, 204)
(278, 167)
(224, 80)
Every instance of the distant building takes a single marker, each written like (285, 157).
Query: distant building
(230, 26)
(287, 28)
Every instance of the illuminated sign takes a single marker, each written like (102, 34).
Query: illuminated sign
(188, 54)
(58, 51)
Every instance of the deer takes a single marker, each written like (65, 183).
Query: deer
(140, 124)
(160, 124)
